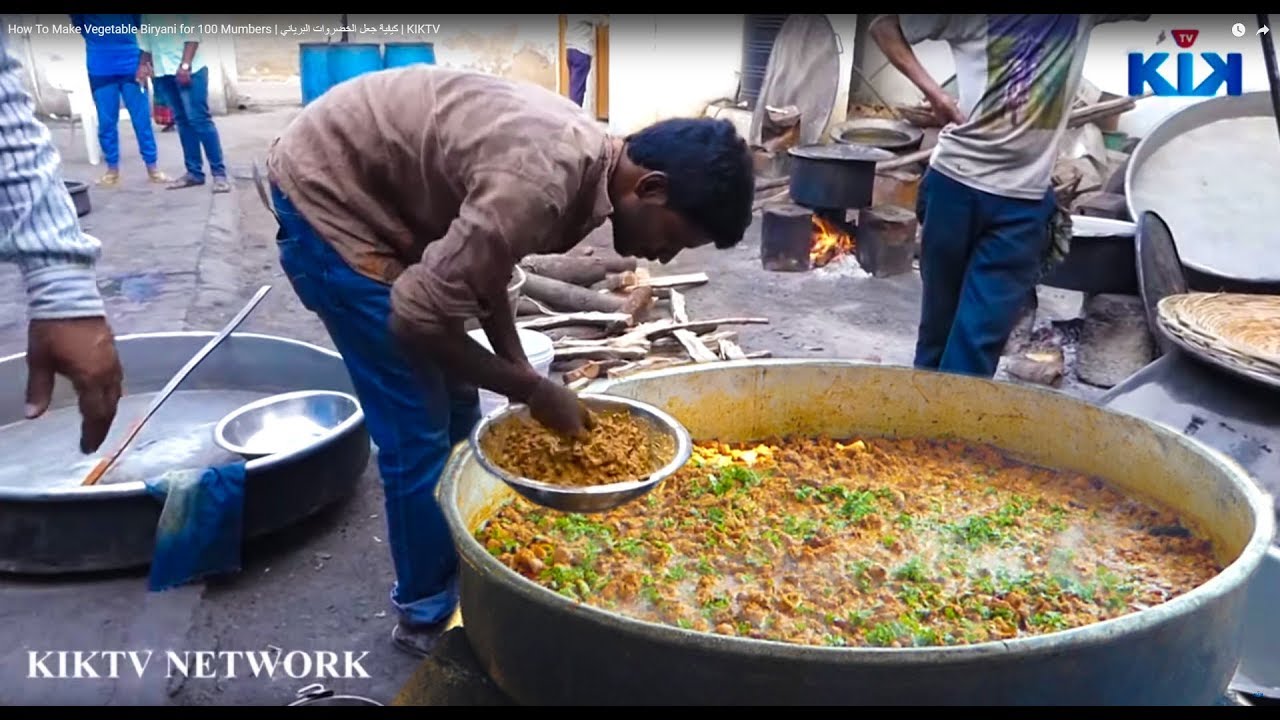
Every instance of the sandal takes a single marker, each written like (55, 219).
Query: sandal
(157, 176)
(110, 178)
(185, 181)
(220, 185)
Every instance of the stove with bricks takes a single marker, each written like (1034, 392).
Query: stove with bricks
(832, 218)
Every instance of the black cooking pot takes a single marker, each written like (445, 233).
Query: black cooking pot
(835, 176)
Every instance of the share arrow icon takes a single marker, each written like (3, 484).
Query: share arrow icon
(1263, 30)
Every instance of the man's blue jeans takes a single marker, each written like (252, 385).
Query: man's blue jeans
(579, 69)
(190, 106)
(415, 418)
(980, 255)
(107, 92)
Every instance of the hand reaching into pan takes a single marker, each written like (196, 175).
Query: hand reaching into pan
(82, 350)
(559, 408)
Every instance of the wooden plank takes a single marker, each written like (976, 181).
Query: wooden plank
(601, 352)
(679, 312)
(658, 328)
(729, 350)
(578, 318)
(699, 352)
(562, 57)
(601, 61)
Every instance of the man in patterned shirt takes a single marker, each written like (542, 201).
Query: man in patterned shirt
(986, 202)
(68, 333)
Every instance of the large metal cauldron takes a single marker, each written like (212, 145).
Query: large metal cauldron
(542, 648)
(112, 526)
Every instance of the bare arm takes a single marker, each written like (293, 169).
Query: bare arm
(887, 32)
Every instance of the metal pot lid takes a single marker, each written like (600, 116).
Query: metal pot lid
(842, 152)
(1160, 271)
(884, 133)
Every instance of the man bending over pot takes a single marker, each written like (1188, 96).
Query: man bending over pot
(406, 197)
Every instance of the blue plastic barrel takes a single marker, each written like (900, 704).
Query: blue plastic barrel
(348, 60)
(313, 70)
(399, 54)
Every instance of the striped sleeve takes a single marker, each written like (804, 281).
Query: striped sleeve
(39, 229)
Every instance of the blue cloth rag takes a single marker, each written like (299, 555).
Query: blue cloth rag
(201, 527)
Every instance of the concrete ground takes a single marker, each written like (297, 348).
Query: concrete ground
(187, 260)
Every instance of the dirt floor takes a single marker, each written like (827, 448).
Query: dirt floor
(186, 260)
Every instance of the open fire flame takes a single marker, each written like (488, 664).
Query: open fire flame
(829, 242)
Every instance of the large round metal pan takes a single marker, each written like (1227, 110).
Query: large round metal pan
(1259, 672)
(543, 648)
(1212, 171)
(112, 526)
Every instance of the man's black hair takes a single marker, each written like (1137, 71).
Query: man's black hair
(710, 178)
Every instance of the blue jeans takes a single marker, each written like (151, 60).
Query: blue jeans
(107, 92)
(415, 418)
(980, 255)
(190, 106)
(579, 68)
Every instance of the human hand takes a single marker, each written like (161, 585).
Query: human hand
(82, 350)
(183, 76)
(559, 408)
(144, 73)
(945, 109)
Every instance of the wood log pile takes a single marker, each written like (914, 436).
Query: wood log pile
(607, 317)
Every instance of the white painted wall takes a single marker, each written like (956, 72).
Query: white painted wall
(664, 66)
(1106, 65)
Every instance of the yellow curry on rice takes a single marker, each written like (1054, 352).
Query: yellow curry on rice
(888, 543)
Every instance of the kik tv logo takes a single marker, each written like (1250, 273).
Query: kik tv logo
(1144, 71)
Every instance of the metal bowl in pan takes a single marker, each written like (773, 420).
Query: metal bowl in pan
(285, 422)
(595, 498)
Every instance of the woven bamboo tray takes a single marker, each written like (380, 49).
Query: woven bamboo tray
(1183, 319)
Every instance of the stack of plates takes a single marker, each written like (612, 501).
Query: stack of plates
(1238, 331)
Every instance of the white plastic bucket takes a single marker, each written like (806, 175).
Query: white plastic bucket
(537, 347)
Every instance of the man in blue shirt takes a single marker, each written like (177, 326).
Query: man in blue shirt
(111, 53)
(171, 54)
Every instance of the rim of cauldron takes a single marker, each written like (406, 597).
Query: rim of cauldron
(1230, 579)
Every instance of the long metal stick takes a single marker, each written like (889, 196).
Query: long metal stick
(103, 465)
(1273, 74)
